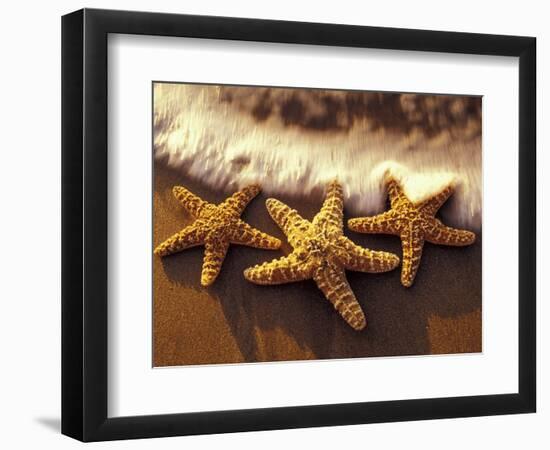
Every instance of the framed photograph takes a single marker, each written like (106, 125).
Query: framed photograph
(273, 224)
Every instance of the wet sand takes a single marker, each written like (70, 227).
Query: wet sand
(234, 321)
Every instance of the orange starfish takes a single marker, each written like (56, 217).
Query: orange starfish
(414, 224)
(215, 227)
(322, 253)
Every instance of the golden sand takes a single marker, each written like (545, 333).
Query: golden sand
(234, 321)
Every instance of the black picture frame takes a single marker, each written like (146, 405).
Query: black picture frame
(84, 224)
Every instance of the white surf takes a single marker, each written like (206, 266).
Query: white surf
(222, 145)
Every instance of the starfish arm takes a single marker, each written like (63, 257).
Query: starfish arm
(279, 271)
(333, 283)
(412, 242)
(386, 223)
(432, 204)
(396, 193)
(332, 211)
(244, 234)
(190, 236)
(442, 234)
(191, 202)
(364, 260)
(214, 255)
(238, 201)
(288, 220)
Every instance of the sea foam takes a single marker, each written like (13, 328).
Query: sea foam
(219, 143)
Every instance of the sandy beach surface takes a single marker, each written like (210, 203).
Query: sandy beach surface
(234, 321)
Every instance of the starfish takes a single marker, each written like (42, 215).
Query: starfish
(414, 223)
(215, 227)
(322, 253)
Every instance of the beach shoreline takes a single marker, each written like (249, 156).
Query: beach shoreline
(234, 321)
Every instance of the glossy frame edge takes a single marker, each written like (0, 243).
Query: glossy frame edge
(84, 225)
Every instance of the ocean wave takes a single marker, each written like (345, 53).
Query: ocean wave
(227, 137)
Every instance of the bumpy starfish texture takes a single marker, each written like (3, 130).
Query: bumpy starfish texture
(414, 224)
(215, 227)
(322, 253)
